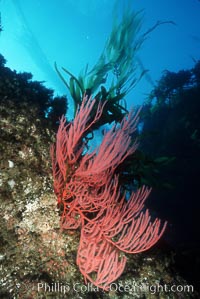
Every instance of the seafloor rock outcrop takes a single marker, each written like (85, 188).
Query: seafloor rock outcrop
(37, 260)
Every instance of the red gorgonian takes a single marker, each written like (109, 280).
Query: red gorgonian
(87, 188)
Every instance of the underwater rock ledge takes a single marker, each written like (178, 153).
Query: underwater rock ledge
(37, 259)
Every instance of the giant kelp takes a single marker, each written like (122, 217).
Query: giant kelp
(115, 73)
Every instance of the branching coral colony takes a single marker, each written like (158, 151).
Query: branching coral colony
(88, 190)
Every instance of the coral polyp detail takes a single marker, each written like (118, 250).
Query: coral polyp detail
(88, 189)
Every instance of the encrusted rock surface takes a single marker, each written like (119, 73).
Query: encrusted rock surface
(37, 260)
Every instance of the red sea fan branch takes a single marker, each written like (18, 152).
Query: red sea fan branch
(99, 261)
(69, 145)
(125, 226)
(88, 190)
(81, 124)
(115, 147)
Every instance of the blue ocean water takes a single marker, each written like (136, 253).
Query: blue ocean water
(73, 33)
